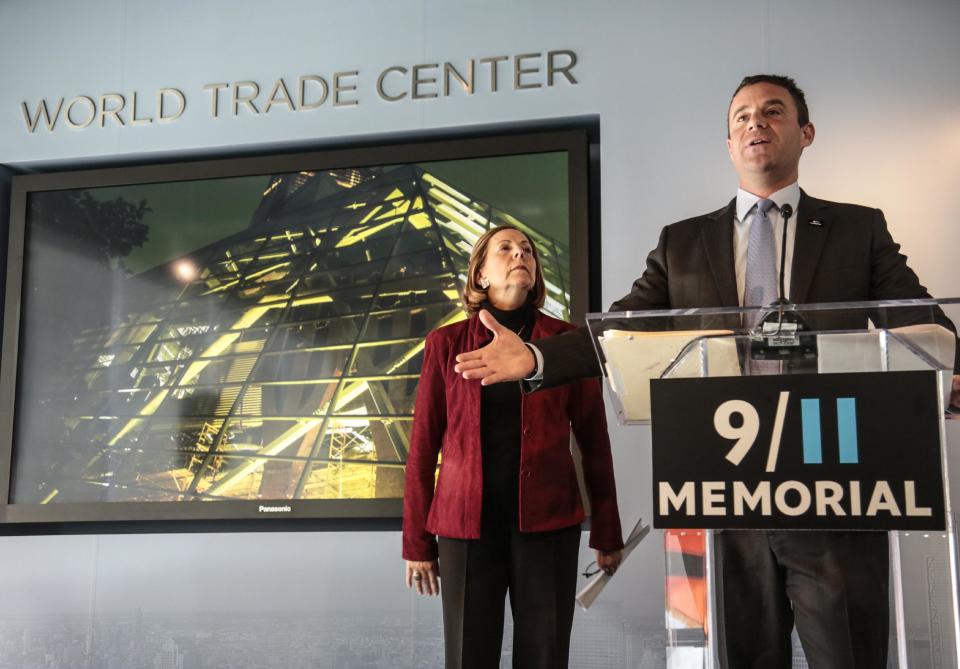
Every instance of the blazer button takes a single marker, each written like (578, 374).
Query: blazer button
(525, 473)
(526, 432)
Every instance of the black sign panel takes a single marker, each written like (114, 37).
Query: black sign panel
(802, 451)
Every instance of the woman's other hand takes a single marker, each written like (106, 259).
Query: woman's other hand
(425, 577)
(608, 562)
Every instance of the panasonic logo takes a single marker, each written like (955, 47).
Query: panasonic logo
(275, 509)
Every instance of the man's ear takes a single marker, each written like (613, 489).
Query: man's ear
(730, 148)
(807, 133)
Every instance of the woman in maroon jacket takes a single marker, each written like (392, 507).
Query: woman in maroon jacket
(505, 515)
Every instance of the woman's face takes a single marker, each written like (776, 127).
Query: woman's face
(509, 263)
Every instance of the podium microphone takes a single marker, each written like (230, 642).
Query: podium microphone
(777, 333)
(786, 211)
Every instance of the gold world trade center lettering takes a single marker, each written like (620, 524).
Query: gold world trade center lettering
(82, 111)
(422, 81)
(308, 92)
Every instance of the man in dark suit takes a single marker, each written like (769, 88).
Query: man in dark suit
(831, 585)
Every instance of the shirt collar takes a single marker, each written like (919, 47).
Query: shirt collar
(787, 195)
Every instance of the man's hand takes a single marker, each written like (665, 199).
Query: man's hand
(506, 358)
(955, 391)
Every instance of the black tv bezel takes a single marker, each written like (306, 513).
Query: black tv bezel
(579, 139)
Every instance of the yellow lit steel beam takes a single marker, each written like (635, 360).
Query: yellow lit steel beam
(464, 210)
(230, 264)
(399, 209)
(132, 423)
(370, 214)
(223, 286)
(402, 293)
(552, 287)
(388, 342)
(316, 299)
(272, 187)
(454, 317)
(430, 179)
(359, 234)
(419, 220)
(477, 221)
(349, 392)
(296, 431)
(458, 206)
(273, 256)
(248, 318)
(466, 238)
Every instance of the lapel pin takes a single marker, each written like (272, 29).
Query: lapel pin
(815, 222)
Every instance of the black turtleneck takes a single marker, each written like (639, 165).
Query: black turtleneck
(500, 434)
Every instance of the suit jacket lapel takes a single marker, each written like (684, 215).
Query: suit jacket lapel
(717, 233)
(808, 244)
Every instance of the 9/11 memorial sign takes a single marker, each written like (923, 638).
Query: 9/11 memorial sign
(804, 451)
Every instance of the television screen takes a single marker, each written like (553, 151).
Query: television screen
(244, 338)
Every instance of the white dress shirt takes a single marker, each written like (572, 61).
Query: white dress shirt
(746, 210)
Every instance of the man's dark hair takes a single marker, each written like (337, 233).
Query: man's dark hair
(803, 113)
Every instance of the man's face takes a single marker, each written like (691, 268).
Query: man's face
(766, 139)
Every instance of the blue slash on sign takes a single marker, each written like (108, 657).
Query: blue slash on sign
(812, 448)
(846, 431)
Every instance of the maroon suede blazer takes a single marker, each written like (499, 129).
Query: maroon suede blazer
(447, 420)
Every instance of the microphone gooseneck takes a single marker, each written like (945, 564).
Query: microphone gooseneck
(782, 333)
(786, 211)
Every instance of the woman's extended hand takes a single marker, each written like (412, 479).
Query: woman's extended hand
(609, 562)
(425, 576)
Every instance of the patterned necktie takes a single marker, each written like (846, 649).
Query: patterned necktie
(760, 287)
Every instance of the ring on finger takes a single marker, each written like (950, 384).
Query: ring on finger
(417, 576)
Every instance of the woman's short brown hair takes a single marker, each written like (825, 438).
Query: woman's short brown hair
(474, 296)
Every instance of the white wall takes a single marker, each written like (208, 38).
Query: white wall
(880, 77)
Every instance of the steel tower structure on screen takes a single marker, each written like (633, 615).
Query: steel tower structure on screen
(281, 362)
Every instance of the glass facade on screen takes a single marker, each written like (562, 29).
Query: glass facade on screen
(277, 360)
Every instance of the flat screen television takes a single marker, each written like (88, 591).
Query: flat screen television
(242, 338)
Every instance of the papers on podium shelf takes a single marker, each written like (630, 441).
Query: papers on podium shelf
(598, 581)
(633, 358)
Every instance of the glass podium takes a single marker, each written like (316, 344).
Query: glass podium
(796, 417)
